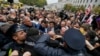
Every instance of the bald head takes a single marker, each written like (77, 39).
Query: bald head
(25, 18)
(27, 21)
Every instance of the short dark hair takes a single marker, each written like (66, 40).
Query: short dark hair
(44, 21)
(97, 29)
(52, 22)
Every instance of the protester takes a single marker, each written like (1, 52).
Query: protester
(47, 32)
(73, 44)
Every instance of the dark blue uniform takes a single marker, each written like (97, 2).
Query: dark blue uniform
(21, 48)
(18, 37)
(46, 50)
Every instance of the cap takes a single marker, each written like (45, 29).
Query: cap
(74, 39)
(13, 29)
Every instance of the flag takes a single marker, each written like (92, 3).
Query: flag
(89, 21)
(87, 12)
(88, 9)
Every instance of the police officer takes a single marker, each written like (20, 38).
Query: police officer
(18, 47)
(72, 45)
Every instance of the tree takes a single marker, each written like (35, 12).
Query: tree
(70, 7)
(73, 9)
(41, 3)
(67, 6)
(96, 10)
(81, 8)
(38, 3)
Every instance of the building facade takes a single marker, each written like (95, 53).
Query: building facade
(85, 2)
(76, 3)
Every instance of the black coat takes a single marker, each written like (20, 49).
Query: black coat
(95, 52)
(21, 49)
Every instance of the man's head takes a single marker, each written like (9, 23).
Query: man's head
(68, 23)
(16, 33)
(5, 27)
(63, 29)
(19, 36)
(98, 33)
(27, 21)
(74, 39)
(76, 25)
(63, 24)
(52, 24)
(44, 23)
(3, 18)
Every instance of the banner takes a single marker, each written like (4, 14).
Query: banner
(87, 11)
(89, 21)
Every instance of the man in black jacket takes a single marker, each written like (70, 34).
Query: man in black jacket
(18, 36)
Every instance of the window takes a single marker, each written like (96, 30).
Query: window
(85, 5)
(93, 5)
(76, 1)
(87, 1)
(83, 1)
(96, 0)
(80, 1)
(91, 0)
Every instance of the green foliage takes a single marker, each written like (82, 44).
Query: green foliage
(96, 10)
(38, 3)
(73, 9)
(81, 8)
(70, 7)
(41, 3)
(67, 7)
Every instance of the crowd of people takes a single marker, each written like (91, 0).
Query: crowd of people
(40, 32)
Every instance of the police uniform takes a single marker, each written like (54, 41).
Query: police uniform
(74, 40)
(21, 48)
